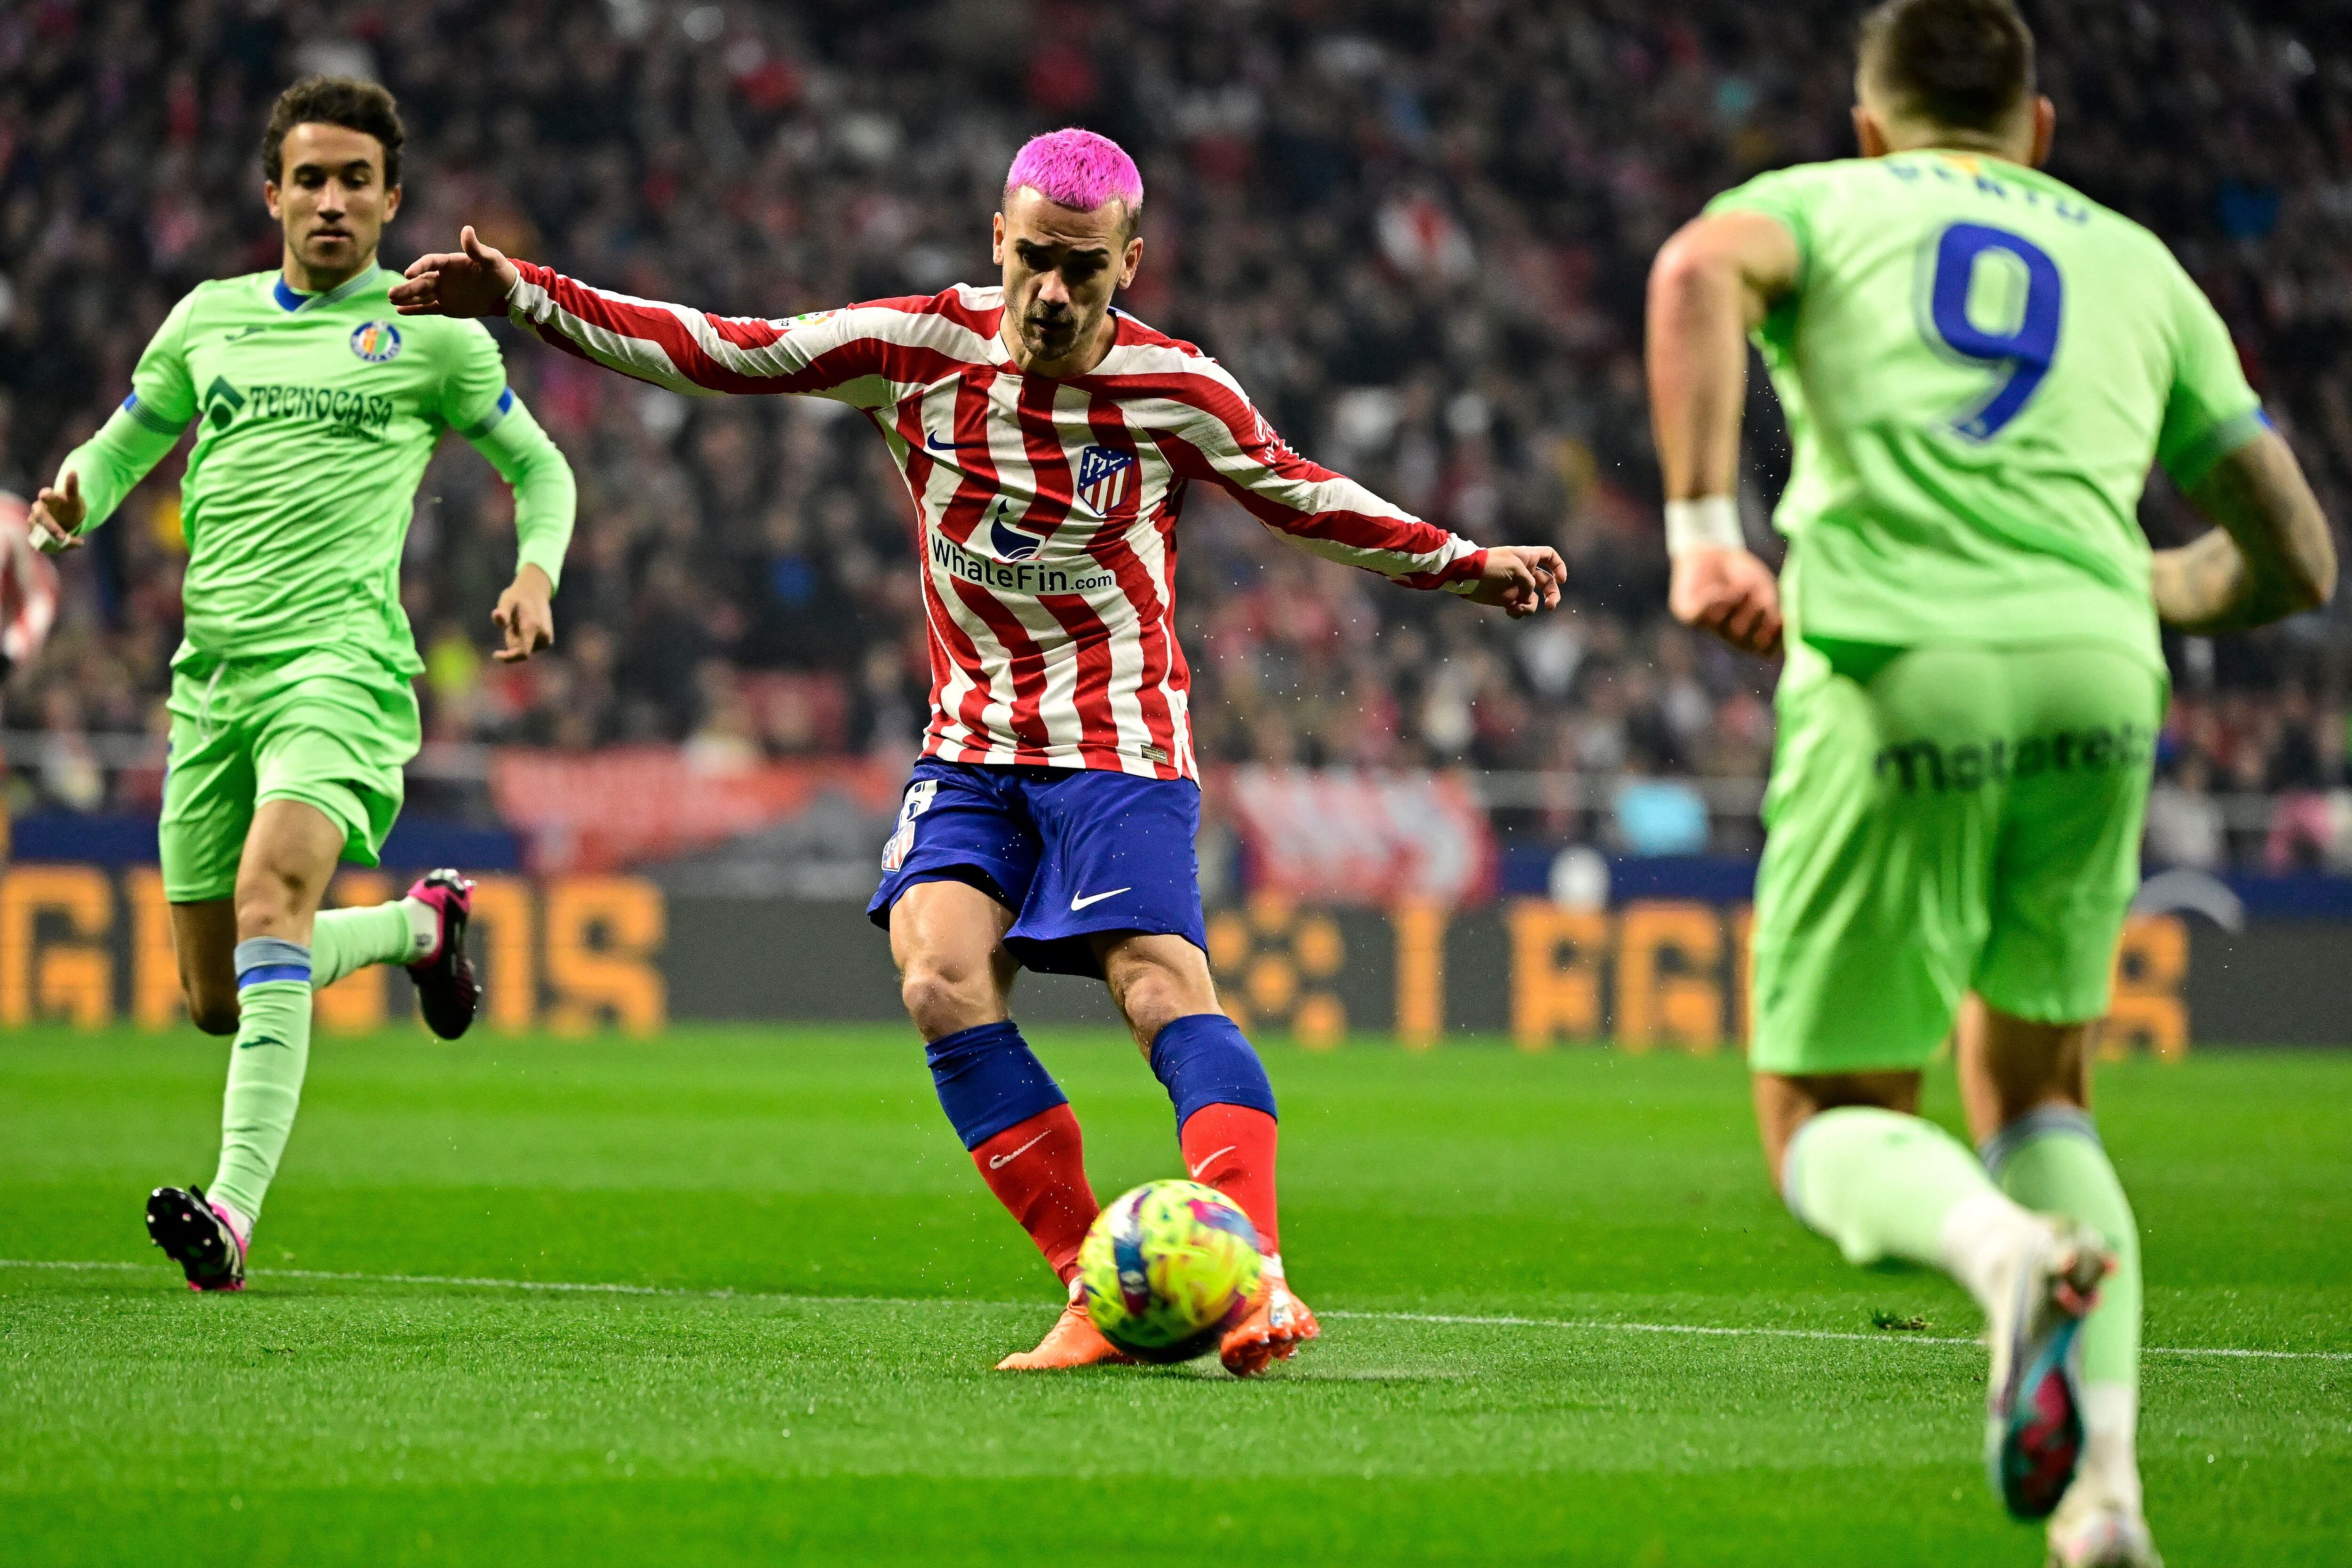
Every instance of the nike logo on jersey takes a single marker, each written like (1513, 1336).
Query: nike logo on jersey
(998, 1161)
(933, 444)
(1079, 901)
(1209, 1159)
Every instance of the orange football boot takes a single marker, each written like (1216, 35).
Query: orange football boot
(1073, 1340)
(1277, 1324)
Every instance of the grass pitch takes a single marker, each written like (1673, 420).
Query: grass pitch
(733, 1297)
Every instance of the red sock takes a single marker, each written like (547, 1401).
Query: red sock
(1231, 1147)
(1038, 1169)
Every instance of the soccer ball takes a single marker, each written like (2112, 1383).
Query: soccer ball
(1167, 1268)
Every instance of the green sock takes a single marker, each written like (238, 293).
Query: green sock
(265, 1068)
(1882, 1185)
(345, 940)
(2052, 1160)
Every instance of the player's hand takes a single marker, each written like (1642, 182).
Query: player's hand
(1732, 594)
(524, 616)
(57, 516)
(1522, 578)
(472, 280)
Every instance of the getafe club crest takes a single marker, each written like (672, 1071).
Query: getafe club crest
(375, 341)
(1104, 477)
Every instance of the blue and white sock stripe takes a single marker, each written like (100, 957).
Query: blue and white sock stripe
(262, 959)
(2063, 1120)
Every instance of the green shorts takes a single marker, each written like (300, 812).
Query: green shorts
(1943, 820)
(328, 727)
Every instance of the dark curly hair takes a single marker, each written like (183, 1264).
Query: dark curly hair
(1965, 64)
(355, 105)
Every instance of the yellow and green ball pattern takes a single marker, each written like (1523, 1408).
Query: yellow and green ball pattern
(1167, 1268)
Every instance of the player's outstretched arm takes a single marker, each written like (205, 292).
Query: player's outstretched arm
(97, 475)
(1521, 578)
(1712, 283)
(474, 279)
(2270, 556)
(845, 355)
(1223, 439)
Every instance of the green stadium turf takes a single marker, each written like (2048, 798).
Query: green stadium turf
(1566, 1320)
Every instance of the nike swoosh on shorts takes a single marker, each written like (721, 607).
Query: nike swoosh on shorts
(1078, 902)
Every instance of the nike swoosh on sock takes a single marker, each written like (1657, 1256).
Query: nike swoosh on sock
(998, 1161)
(1207, 1159)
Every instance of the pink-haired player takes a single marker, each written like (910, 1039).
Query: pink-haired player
(1048, 441)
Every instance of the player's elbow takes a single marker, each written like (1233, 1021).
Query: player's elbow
(1690, 267)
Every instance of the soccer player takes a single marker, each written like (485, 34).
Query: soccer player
(1048, 441)
(1978, 365)
(291, 710)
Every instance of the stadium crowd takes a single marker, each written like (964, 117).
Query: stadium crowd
(1417, 232)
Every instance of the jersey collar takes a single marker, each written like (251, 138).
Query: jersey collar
(288, 300)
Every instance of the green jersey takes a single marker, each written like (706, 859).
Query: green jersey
(1978, 365)
(315, 417)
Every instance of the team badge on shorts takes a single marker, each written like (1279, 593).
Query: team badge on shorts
(375, 341)
(919, 796)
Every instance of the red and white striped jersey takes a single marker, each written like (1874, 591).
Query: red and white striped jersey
(1048, 507)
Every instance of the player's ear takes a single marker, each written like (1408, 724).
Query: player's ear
(1130, 261)
(1869, 135)
(392, 204)
(996, 239)
(269, 199)
(2045, 127)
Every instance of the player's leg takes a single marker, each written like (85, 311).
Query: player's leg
(339, 735)
(1117, 895)
(962, 852)
(424, 929)
(203, 939)
(2027, 1088)
(1225, 1122)
(199, 840)
(1871, 908)
(2069, 868)
(289, 854)
(956, 979)
(326, 734)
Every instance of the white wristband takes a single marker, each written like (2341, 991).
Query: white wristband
(1710, 523)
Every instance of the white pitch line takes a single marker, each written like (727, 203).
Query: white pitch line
(1584, 1325)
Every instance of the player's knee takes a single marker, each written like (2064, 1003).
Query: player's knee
(1153, 994)
(212, 1015)
(268, 900)
(942, 998)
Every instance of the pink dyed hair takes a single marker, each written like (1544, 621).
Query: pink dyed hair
(1077, 169)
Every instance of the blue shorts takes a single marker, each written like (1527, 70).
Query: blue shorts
(1070, 851)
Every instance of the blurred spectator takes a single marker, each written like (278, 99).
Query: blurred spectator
(2184, 824)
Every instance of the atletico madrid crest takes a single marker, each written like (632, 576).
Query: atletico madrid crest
(1105, 478)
